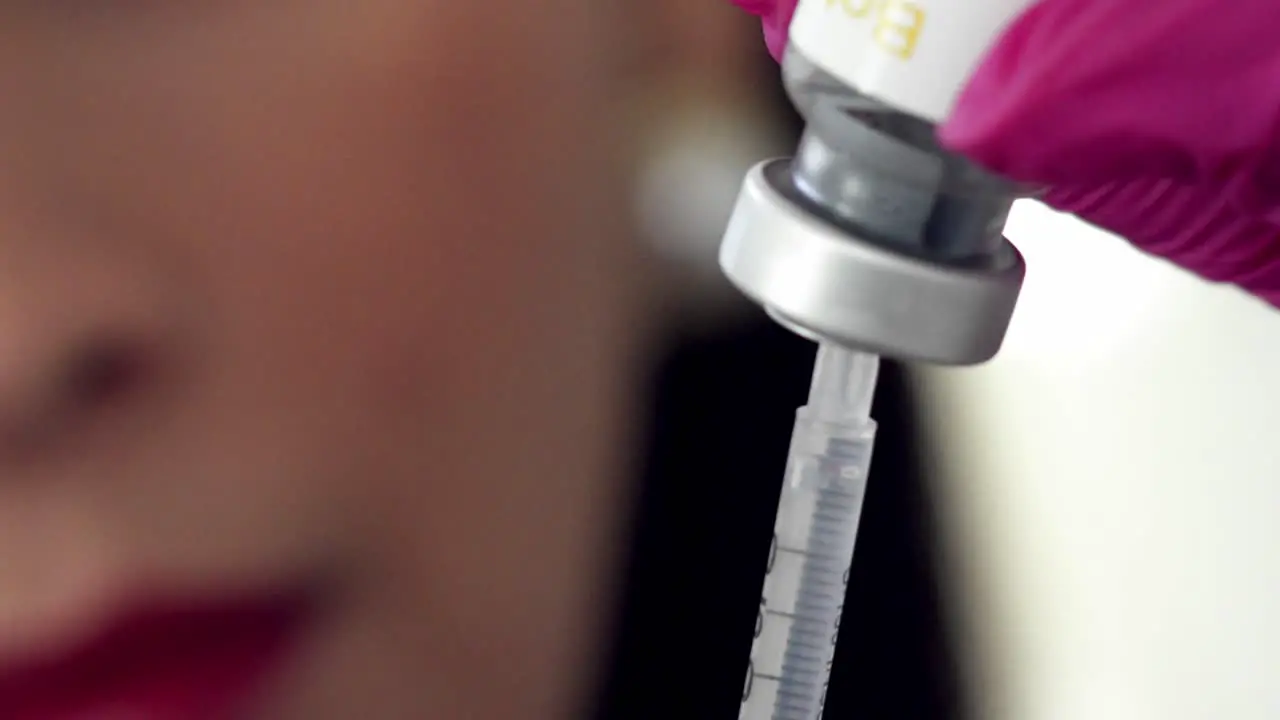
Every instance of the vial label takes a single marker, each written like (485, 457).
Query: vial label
(914, 55)
(895, 26)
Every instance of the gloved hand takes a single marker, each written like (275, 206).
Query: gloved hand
(1158, 120)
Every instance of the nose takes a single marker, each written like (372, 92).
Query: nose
(80, 339)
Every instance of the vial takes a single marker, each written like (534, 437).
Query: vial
(873, 236)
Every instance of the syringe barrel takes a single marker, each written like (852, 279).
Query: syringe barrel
(812, 550)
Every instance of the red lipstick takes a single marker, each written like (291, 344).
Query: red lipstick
(202, 663)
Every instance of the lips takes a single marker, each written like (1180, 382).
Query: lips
(171, 663)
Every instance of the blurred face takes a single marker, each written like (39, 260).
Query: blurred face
(312, 341)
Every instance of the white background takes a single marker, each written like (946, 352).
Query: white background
(1110, 487)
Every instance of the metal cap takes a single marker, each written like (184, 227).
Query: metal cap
(833, 286)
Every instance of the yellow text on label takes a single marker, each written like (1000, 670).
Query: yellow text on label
(896, 25)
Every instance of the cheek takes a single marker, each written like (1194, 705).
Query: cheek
(298, 203)
(410, 335)
(347, 202)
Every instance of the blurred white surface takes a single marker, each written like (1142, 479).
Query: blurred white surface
(1110, 487)
(699, 154)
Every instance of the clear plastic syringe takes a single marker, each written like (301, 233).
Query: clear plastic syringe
(813, 539)
(874, 235)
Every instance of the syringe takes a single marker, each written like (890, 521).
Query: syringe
(875, 237)
(813, 541)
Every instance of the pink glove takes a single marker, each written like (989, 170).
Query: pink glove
(776, 15)
(1158, 120)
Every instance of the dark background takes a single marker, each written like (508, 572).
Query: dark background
(722, 405)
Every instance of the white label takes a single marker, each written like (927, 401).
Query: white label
(912, 54)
